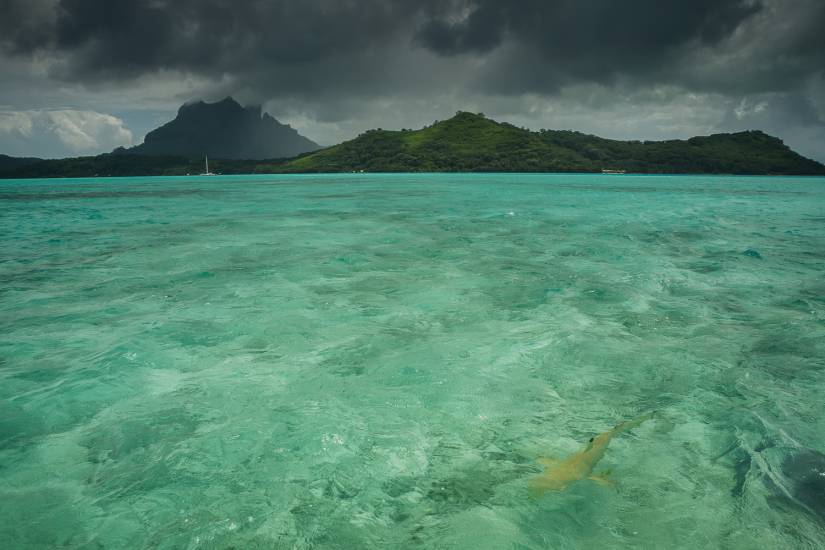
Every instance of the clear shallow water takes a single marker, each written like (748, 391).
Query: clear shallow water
(357, 361)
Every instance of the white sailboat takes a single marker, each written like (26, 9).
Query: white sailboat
(207, 172)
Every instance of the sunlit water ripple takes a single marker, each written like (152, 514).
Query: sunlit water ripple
(359, 361)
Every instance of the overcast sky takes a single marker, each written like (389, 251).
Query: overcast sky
(84, 76)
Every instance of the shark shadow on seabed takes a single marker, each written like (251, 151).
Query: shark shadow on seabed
(795, 481)
(806, 472)
(798, 482)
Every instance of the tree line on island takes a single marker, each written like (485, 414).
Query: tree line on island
(467, 142)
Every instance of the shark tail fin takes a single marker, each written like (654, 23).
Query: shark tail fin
(602, 480)
(630, 424)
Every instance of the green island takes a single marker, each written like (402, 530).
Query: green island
(469, 142)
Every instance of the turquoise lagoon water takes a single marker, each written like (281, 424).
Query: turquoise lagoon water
(362, 361)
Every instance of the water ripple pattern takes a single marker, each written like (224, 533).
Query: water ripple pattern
(364, 361)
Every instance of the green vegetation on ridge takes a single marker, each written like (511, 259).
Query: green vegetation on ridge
(472, 143)
(464, 143)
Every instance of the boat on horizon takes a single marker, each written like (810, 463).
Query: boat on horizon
(207, 172)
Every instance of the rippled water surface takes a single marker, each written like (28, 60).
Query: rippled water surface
(371, 360)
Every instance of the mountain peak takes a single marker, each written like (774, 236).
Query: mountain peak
(227, 101)
(226, 105)
(467, 115)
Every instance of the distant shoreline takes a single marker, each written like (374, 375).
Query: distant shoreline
(465, 143)
(369, 174)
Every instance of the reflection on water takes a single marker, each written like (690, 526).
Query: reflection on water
(379, 361)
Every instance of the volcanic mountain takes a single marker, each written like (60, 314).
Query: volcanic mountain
(223, 130)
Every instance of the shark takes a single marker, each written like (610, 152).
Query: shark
(558, 474)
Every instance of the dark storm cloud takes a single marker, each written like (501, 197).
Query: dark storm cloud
(706, 44)
(25, 25)
(123, 38)
(456, 29)
(532, 45)
(783, 46)
(600, 31)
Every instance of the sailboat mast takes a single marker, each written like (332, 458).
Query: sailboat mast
(207, 163)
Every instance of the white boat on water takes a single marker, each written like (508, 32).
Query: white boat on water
(207, 172)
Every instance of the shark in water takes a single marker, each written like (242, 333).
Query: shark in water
(558, 474)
